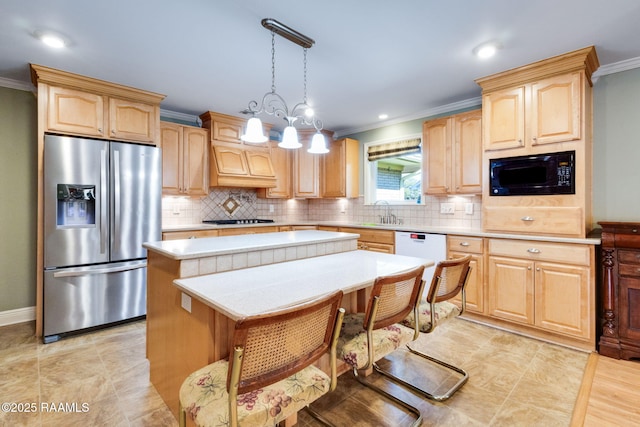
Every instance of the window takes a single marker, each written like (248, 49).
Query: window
(393, 171)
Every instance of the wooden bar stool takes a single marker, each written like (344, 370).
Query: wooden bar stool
(270, 375)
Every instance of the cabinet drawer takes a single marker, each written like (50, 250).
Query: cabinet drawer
(369, 235)
(194, 234)
(629, 270)
(535, 219)
(629, 257)
(541, 251)
(465, 244)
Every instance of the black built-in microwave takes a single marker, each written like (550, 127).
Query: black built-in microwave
(538, 174)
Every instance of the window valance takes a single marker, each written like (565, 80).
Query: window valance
(394, 149)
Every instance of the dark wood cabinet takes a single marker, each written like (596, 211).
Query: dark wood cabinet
(620, 290)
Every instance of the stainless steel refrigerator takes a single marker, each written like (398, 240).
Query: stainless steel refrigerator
(102, 201)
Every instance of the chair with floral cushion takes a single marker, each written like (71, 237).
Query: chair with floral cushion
(370, 336)
(270, 374)
(449, 280)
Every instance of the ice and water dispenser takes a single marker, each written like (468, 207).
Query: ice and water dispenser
(76, 205)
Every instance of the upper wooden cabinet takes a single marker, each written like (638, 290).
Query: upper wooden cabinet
(452, 154)
(544, 107)
(79, 105)
(306, 167)
(339, 169)
(282, 160)
(233, 162)
(185, 165)
(545, 112)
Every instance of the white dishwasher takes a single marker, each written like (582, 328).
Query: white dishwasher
(422, 245)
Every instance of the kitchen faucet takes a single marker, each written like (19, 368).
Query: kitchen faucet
(388, 217)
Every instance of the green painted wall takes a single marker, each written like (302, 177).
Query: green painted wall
(18, 198)
(616, 147)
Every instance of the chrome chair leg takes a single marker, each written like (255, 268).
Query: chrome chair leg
(391, 397)
(428, 395)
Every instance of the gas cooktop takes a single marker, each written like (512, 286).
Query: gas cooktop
(237, 221)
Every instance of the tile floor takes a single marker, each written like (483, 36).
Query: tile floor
(103, 379)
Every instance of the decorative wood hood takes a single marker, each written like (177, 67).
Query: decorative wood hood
(234, 163)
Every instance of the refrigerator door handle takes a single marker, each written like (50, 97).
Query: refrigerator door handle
(103, 201)
(116, 199)
(87, 272)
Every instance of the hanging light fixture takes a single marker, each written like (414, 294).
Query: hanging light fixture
(273, 104)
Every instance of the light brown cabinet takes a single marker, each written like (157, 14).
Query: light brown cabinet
(79, 112)
(234, 163)
(246, 230)
(191, 234)
(452, 154)
(540, 108)
(185, 155)
(339, 169)
(545, 112)
(549, 286)
(306, 168)
(373, 240)
(282, 160)
(459, 246)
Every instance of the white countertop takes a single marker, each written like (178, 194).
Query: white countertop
(250, 291)
(224, 245)
(471, 232)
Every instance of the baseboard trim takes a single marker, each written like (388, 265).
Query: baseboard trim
(19, 315)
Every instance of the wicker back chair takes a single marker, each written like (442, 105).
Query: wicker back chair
(369, 336)
(270, 375)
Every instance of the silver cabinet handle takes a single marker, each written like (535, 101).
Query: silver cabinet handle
(117, 199)
(103, 202)
(527, 218)
(106, 270)
(464, 243)
(533, 251)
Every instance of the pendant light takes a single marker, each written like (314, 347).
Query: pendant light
(273, 104)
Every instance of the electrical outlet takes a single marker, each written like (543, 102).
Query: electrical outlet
(271, 210)
(468, 208)
(447, 208)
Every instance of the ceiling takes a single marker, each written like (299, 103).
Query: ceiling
(405, 58)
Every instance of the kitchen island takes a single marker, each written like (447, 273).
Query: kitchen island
(196, 289)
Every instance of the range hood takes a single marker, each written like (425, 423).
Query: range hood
(233, 162)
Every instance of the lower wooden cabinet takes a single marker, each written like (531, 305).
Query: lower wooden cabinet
(459, 246)
(191, 234)
(246, 230)
(546, 285)
(374, 240)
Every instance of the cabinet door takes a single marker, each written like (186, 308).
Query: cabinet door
(563, 299)
(475, 286)
(306, 168)
(467, 153)
(555, 109)
(132, 121)
(196, 164)
(75, 111)
(194, 234)
(339, 170)
(436, 158)
(227, 130)
(230, 161)
(259, 163)
(281, 158)
(629, 306)
(172, 160)
(377, 247)
(503, 118)
(511, 289)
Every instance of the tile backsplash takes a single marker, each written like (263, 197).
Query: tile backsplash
(236, 203)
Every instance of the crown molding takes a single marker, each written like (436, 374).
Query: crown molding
(16, 84)
(616, 67)
(448, 108)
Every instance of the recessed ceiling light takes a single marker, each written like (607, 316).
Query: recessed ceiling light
(486, 50)
(383, 116)
(51, 39)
